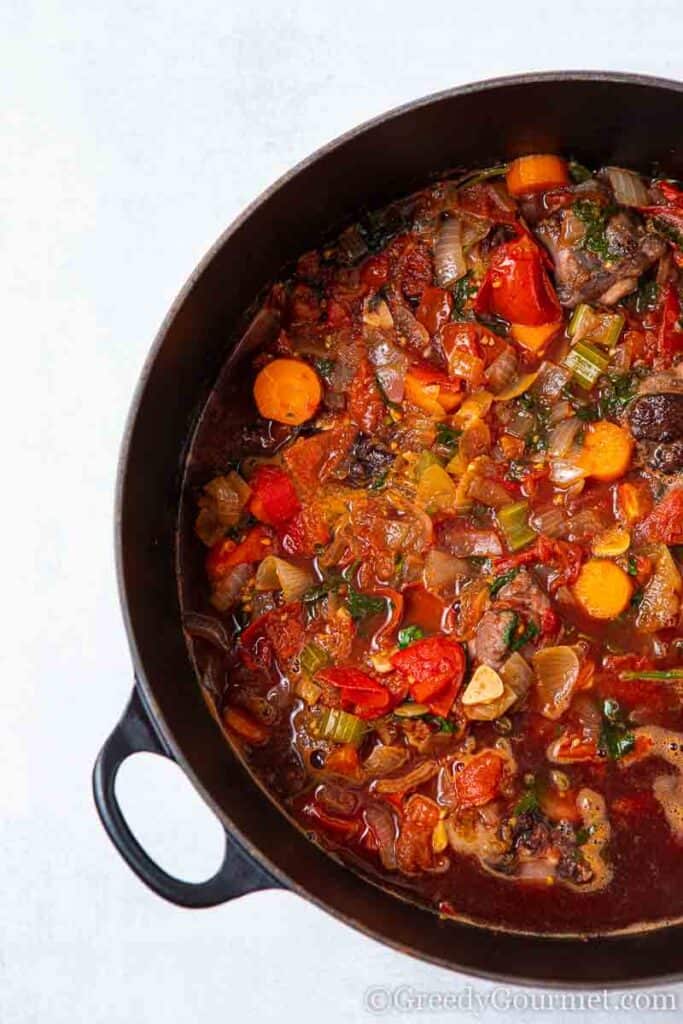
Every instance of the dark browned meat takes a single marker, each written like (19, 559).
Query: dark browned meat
(525, 594)
(492, 637)
(668, 458)
(582, 275)
(657, 417)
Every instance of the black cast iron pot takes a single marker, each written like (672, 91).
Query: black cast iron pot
(597, 118)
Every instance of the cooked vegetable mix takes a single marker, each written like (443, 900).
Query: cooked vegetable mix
(443, 560)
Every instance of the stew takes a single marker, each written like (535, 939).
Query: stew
(442, 550)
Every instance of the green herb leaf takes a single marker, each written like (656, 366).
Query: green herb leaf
(362, 605)
(500, 581)
(527, 802)
(616, 739)
(408, 635)
(511, 629)
(462, 291)
(526, 637)
(444, 724)
(595, 217)
(447, 436)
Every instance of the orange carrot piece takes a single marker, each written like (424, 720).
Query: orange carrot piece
(287, 390)
(607, 450)
(602, 589)
(536, 173)
(534, 338)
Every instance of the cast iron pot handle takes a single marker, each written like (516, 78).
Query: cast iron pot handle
(237, 875)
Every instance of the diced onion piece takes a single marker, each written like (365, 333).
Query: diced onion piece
(473, 408)
(562, 436)
(449, 258)
(661, 598)
(586, 363)
(611, 543)
(518, 387)
(385, 758)
(484, 686)
(565, 472)
(556, 670)
(277, 574)
(516, 673)
(442, 570)
(628, 187)
(340, 726)
(552, 522)
(514, 522)
(551, 380)
(411, 710)
(436, 491)
(503, 371)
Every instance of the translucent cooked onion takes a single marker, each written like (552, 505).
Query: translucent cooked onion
(413, 778)
(390, 365)
(449, 258)
(276, 574)
(380, 820)
(474, 229)
(660, 605)
(442, 570)
(562, 437)
(516, 673)
(551, 379)
(552, 522)
(207, 628)
(628, 187)
(556, 670)
(502, 370)
(228, 588)
(565, 472)
(560, 411)
(384, 759)
(521, 423)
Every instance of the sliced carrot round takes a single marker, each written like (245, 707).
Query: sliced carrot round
(287, 390)
(607, 450)
(603, 589)
(536, 173)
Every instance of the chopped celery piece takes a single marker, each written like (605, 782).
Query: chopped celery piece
(340, 726)
(581, 321)
(664, 673)
(308, 690)
(593, 326)
(514, 522)
(608, 329)
(410, 710)
(586, 364)
(313, 658)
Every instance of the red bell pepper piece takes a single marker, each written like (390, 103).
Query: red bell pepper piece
(517, 287)
(435, 308)
(226, 554)
(665, 522)
(477, 783)
(669, 334)
(375, 272)
(273, 498)
(433, 668)
(366, 697)
(279, 633)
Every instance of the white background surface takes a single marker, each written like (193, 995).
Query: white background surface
(132, 133)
